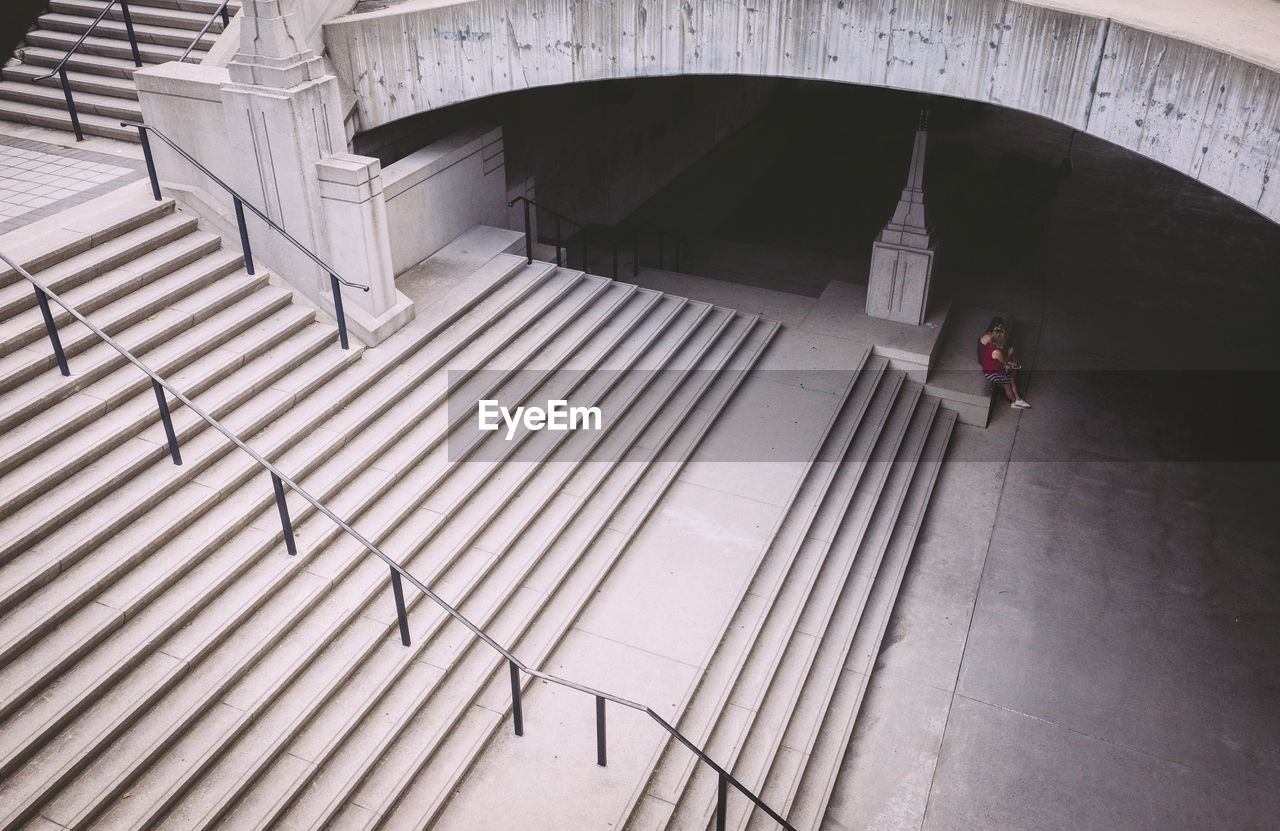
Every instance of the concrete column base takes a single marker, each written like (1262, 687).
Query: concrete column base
(898, 288)
(371, 329)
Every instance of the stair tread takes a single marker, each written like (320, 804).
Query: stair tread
(107, 28)
(87, 103)
(156, 16)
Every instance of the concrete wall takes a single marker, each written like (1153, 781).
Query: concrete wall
(1194, 108)
(441, 191)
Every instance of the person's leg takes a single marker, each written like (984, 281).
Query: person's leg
(1009, 392)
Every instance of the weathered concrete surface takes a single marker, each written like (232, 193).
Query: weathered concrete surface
(1205, 112)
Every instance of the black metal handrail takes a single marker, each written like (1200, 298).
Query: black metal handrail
(240, 204)
(226, 21)
(279, 481)
(61, 69)
(585, 229)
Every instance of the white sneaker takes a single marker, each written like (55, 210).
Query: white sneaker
(1020, 405)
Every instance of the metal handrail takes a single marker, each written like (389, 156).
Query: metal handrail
(663, 233)
(240, 204)
(586, 231)
(61, 69)
(226, 21)
(280, 479)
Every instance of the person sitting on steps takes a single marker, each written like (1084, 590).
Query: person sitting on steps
(997, 324)
(999, 371)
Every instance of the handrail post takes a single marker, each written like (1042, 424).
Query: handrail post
(337, 310)
(128, 26)
(722, 802)
(586, 265)
(71, 104)
(517, 714)
(559, 242)
(601, 758)
(244, 235)
(397, 589)
(151, 162)
(677, 267)
(52, 329)
(528, 238)
(290, 545)
(635, 252)
(662, 257)
(226, 18)
(615, 258)
(167, 421)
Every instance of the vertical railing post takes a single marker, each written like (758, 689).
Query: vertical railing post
(71, 104)
(283, 507)
(337, 310)
(226, 18)
(128, 27)
(151, 162)
(528, 238)
(722, 802)
(635, 253)
(677, 265)
(662, 259)
(52, 329)
(601, 758)
(517, 714)
(397, 589)
(559, 242)
(615, 258)
(167, 421)
(586, 266)
(244, 235)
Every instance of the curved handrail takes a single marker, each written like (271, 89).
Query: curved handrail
(143, 129)
(44, 293)
(226, 20)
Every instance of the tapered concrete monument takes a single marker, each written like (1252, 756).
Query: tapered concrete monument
(902, 255)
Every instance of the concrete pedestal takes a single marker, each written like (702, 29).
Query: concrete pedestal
(898, 288)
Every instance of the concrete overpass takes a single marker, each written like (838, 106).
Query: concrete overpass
(1194, 86)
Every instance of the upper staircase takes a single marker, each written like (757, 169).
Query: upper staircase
(100, 73)
(165, 663)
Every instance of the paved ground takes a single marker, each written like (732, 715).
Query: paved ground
(41, 175)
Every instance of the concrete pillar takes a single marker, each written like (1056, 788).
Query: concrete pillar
(902, 255)
(355, 214)
(284, 122)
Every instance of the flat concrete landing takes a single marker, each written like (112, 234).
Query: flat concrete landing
(456, 262)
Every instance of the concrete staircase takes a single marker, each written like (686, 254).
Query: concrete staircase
(101, 71)
(164, 662)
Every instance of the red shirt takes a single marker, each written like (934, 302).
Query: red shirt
(990, 364)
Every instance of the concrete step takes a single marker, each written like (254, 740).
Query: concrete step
(807, 792)
(81, 62)
(87, 103)
(416, 796)
(790, 713)
(866, 389)
(101, 275)
(65, 413)
(46, 722)
(81, 82)
(145, 33)
(59, 119)
(200, 7)
(173, 551)
(101, 46)
(166, 276)
(223, 384)
(197, 708)
(742, 742)
(142, 15)
(271, 733)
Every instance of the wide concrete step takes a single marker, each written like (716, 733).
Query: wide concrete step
(189, 21)
(789, 716)
(145, 33)
(199, 7)
(448, 551)
(81, 82)
(806, 792)
(357, 491)
(102, 46)
(88, 63)
(40, 115)
(36, 725)
(417, 773)
(87, 103)
(178, 541)
(167, 276)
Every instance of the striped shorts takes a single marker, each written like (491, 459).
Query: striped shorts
(1000, 379)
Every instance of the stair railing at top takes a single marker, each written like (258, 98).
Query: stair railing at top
(226, 21)
(61, 69)
(335, 282)
(585, 231)
(280, 480)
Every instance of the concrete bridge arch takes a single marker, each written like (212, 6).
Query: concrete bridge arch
(1198, 94)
